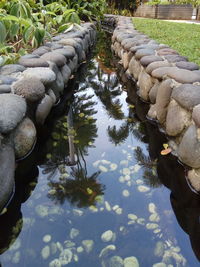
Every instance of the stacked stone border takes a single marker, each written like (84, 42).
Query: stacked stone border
(169, 83)
(28, 92)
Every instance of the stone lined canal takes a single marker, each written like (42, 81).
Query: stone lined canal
(96, 191)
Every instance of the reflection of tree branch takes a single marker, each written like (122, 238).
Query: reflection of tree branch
(118, 136)
(81, 190)
(150, 174)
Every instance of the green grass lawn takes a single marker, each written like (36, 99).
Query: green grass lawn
(184, 38)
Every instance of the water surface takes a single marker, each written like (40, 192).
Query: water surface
(97, 167)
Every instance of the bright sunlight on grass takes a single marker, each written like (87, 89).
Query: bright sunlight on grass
(184, 38)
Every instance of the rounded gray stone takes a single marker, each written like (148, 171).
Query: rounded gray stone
(67, 51)
(194, 178)
(144, 52)
(45, 75)
(187, 65)
(58, 84)
(43, 109)
(196, 115)
(29, 56)
(7, 79)
(7, 173)
(146, 60)
(145, 83)
(54, 45)
(153, 92)
(175, 58)
(55, 57)
(180, 75)
(11, 68)
(189, 148)
(5, 88)
(32, 89)
(177, 119)
(66, 73)
(162, 99)
(41, 51)
(33, 62)
(158, 64)
(166, 51)
(12, 111)
(24, 138)
(187, 95)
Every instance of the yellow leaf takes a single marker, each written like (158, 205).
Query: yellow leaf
(81, 115)
(131, 106)
(165, 146)
(166, 151)
(89, 191)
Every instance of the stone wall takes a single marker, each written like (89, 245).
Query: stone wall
(28, 92)
(170, 84)
(165, 11)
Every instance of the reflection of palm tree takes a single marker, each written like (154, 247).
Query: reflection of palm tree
(118, 136)
(80, 190)
(150, 174)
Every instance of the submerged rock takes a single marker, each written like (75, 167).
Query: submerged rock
(131, 262)
(45, 252)
(105, 250)
(55, 263)
(107, 236)
(88, 245)
(116, 261)
(66, 256)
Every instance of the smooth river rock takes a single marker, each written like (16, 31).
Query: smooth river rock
(180, 75)
(194, 178)
(177, 119)
(43, 109)
(146, 60)
(24, 138)
(163, 99)
(187, 65)
(196, 115)
(144, 52)
(45, 75)
(55, 57)
(11, 68)
(12, 111)
(187, 95)
(7, 171)
(145, 84)
(189, 148)
(32, 89)
(156, 65)
(33, 62)
(67, 51)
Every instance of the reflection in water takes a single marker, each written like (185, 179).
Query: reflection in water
(99, 197)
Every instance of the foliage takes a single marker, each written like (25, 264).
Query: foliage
(194, 3)
(26, 24)
(180, 36)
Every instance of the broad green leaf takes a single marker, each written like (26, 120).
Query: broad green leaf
(14, 30)
(3, 32)
(39, 35)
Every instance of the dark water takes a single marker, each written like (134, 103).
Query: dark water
(97, 168)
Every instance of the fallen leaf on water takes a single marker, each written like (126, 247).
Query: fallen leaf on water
(166, 151)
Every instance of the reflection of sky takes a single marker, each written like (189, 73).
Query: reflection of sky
(132, 239)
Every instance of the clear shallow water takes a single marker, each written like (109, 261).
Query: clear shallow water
(62, 212)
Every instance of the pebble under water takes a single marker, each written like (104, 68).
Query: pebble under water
(96, 191)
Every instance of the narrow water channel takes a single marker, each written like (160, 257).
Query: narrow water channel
(96, 191)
